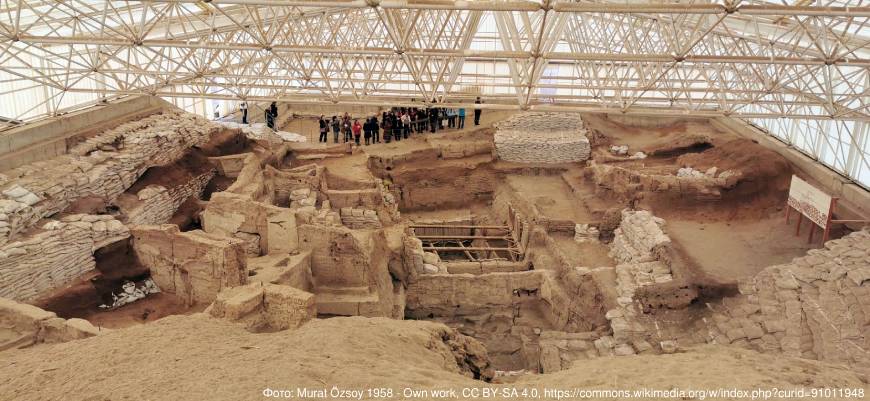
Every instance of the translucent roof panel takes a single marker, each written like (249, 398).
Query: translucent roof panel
(804, 62)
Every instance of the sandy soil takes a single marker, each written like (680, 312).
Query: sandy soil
(167, 360)
(588, 254)
(738, 249)
(154, 307)
(552, 196)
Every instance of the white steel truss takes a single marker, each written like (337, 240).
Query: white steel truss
(763, 60)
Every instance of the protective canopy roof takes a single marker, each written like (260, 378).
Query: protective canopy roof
(796, 68)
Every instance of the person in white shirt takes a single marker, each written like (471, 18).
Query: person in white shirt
(243, 106)
(406, 125)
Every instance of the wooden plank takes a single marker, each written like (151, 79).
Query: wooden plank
(469, 248)
(452, 237)
(468, 254)
(465, 227)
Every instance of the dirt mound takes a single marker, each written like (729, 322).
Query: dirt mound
(707, 367)
(754, 160)
(192, 164)
(165, 360)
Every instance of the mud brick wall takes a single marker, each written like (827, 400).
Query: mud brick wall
(342, 259)
(157, 204)
(286, 181)
(360, 219)
(535, 137)
(816, 306)
(456, 294)
(253, 182)
(361, 198)
(464, 149)
(229, 213)
(626, 182)
(637, 245)
(560, 349)
(265, 307)
(104, 166)
(33, 325)
(193, 265)
(444, 186)
(637, 235)
(339, 256)
(55, 255)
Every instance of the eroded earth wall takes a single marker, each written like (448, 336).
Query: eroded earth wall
(193, 265)
(55, 255)
(102, 166)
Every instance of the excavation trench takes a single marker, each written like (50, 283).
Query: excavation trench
(479, 281)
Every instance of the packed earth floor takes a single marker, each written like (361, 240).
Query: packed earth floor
(172, 257)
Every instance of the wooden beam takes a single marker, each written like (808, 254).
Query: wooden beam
(464, 248)
(451, 237)
(458, 226)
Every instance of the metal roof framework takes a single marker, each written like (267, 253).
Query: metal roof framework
(797, 68)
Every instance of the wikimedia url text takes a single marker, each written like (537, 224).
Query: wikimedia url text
(484, 393)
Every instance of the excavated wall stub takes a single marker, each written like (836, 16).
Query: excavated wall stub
(283, 269)
(349, 270)
(192, 265)
(627, 182)
(263, 307)
(230, 165)
(23, 325)
(458, 294)
(231, 215)
(420, 180)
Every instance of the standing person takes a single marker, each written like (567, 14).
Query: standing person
(376, 135)
(273, 110)
(413, 115)
(461, 118)
(335, 127)
(451, 118)
(357, 131)
(346, 127)
(391, 117)
(324, 129)
(406, 125)
(422, 117)
(243, 106)
(433, 119)
(367, 130)
(388, 129)
(397, 127)
(477, 111)
(270, 119)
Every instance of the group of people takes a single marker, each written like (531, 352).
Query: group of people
(396, 124)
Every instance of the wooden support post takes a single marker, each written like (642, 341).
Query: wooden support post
(787, 212)
(827, 232)
(467, 254)
(798, 230)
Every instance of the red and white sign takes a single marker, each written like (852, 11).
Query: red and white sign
(809, 201)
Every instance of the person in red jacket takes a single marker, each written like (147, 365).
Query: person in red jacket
(357, 130)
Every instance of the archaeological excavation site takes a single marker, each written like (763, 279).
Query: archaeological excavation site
(160, 242)
(434, 200)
